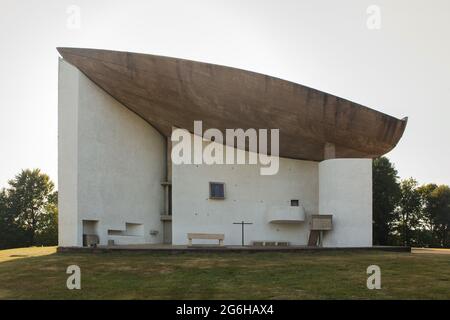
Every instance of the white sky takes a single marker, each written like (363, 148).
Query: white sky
(403, 69)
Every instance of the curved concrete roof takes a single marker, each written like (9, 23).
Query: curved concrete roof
(169, 92)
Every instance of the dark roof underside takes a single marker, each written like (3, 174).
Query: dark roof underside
(170, 92)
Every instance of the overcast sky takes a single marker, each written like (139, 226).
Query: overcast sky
(402, 69)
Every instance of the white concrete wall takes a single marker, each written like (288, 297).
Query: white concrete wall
(111, 164)
(345, 191)
(67, 155)
(341, 187)
(248, 196)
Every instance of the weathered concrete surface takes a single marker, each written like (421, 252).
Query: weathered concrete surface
(225, 249)
(169, 92)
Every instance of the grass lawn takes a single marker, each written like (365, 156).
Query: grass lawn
(40, 273)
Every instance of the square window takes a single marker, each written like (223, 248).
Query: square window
(294, 203)
(216, 190)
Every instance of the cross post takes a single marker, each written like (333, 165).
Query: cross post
(242, 223)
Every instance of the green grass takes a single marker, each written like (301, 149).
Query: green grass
(324, 275)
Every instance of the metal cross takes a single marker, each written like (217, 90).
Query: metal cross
(242, 223)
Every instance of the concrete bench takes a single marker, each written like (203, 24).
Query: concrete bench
(263, 243)
(90, 240)
(207, 236)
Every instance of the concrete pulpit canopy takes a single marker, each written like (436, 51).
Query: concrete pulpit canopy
(170, 92)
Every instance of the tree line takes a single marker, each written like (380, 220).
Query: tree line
(406, 213)
(29, 211)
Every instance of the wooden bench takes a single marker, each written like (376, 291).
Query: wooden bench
(207, 236)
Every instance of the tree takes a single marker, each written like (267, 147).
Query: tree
(442, 210)
(386, 194)
(409, 212)
(428, 207)
(11, 235)
(28, 210)
(436, 203)
(47, 234)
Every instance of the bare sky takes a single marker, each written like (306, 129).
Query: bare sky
(402, 69)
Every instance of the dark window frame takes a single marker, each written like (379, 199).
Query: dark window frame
(215, 197)
(295, 203)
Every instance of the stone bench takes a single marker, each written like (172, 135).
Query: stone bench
(90, 240)
(263, 243)
(206, 236)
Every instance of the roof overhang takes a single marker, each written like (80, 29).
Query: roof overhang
(169, 92)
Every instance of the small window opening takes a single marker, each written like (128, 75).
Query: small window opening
(216, 190)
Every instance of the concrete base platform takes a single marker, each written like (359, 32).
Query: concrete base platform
(161, 248)
(431, 250)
